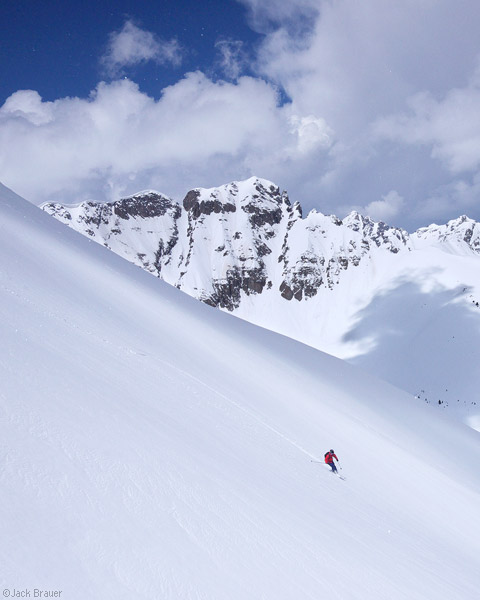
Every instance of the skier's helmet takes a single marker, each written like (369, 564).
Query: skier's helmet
(332, 451)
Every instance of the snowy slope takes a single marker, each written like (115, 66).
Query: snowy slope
(152, 447)
(405, 307)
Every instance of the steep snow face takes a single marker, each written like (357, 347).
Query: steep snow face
(404, 306)
(232, 239)
(233, 242)
(214, 247)
(155, 447)
(245, 238)
(142, 228)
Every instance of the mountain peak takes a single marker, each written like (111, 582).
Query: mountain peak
(460, 235)
(228, 424)
(144, 194)
(245, 238)
(244, 248)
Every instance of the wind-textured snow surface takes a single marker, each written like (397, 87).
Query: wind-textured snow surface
(153, 447)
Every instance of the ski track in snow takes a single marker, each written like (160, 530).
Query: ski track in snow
(241, 408)
(152, 447)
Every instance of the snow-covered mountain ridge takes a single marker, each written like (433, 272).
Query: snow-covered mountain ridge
(153, 447)
(247, 237)
(405, 306)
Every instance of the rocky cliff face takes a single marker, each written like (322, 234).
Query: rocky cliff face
(240, 240)
(403, 306)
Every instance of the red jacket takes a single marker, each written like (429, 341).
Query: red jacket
(329, 457)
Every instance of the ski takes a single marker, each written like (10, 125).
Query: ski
(321, 462)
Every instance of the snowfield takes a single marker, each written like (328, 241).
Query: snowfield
(404, 307)
(152, 447)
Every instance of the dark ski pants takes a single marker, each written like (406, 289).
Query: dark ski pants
(333, 467)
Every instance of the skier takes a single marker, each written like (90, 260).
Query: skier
(329, 456)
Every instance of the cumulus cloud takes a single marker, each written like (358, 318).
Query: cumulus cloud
(358, 66)
(362, 58)
(131, 46)
(311, 133)
(385, 209)
(120, 138)
(373, 104)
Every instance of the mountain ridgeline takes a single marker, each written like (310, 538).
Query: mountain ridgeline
(154, 447)
(405, 307)
(242, 239)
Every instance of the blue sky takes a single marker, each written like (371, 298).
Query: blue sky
(372, 105)
(54, 47)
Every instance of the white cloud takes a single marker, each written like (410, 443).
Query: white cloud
(359, 59)
(312, 133)
(451, 126)
(267, 13)
(382, 96)
(232, 57)
(461, 196)
(385, 209)
(131, 46)
(359, 67)
(28, 105)
(121, 139)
